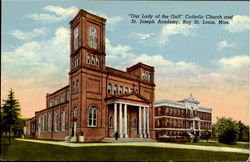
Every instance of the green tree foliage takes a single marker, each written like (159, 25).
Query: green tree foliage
(206, 135)
(10, 113)
(243, 132)
(229, 131)
(226, 131)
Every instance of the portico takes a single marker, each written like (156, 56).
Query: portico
(129, 119)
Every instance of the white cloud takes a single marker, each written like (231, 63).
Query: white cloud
(235, 61)
(121, 56)
(28, 35)
(143, 36)
(45, 61)
(238, 24)
(234, 69)
(223, 44)
(56, 14)
(172, 29)
(110, 20)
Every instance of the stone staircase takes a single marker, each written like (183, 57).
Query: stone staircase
(124, 140)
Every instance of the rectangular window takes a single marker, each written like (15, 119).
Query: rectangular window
(62, 99)
(159, 110)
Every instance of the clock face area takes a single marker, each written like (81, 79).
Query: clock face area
(92, 37)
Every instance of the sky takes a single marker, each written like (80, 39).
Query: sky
(211, 61)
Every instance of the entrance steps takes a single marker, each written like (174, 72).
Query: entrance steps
(124, 140)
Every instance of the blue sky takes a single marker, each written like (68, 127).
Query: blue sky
(205, 60)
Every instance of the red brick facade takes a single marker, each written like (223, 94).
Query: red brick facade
(176, 121)
(94, 104)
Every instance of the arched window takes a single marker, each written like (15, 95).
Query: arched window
(159, 111)
(44, 122)
(93, 60)
(63, 120)
(115, 89)
(126, 90)
(171, 111)
(92, 116)
(120, 90)
(179, 123)
(179, 112)
(110, 122)
(88, 59)
(134, 125)
(131, 90)
(166, 123)
(76, 37)
(187, 124)
(136, 91)
(166, 110)
(109, 88)
(77, 85)
(174, 123)
(92, 37)
(97, 61)
(73, 87)
(159, 123)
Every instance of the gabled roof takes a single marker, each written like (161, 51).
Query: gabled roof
(129, 96)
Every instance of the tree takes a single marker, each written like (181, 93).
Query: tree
(206, 135)
(226, 130)
(245, 134)
(10, 113)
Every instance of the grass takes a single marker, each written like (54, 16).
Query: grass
(237, 145)
(20, 150)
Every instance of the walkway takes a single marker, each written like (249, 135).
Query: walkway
(146, 144)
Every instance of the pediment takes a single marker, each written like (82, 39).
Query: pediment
(131, 97)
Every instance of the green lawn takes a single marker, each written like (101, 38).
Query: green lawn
(20, 150)
(238, 145)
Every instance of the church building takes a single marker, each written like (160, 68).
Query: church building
(99, 100)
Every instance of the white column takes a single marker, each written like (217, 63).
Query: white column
(140, 118)
(125, 122)
(120, 120)
(193, 124)
(199, 127)
(144, 121)
(148, 122)
(115, 117)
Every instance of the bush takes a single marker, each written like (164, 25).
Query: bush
(226, 131)
(206, 135)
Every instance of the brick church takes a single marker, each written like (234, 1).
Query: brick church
(99, 100)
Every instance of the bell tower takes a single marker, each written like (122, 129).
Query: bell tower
(87, 58)
(87, 42)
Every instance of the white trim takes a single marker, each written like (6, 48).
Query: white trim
(140, 120)
(120, 121)
(179, 105)
(182, 129)
(173, 117)
(115, 118)
(131, 104)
